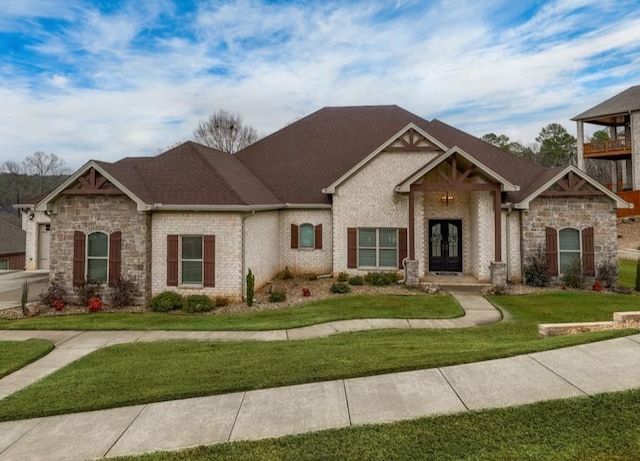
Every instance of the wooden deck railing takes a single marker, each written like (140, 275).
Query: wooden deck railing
(613, 147)
(631, 196)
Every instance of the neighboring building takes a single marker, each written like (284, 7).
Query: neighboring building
(352, 189)
(12, 242)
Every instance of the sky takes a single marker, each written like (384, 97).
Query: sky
(107, 79)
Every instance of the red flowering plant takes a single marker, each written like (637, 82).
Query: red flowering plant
(597, 286)
(306, 292)
(57, 304)
(95, 304)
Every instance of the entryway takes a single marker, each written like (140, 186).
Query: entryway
(445, 245)
(44, 245)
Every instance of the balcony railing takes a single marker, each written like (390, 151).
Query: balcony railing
(604, 148)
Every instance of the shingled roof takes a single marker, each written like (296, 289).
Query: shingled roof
(12, 237)
(622, 103)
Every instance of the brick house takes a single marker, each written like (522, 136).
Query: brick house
(352, 189)
(12, 242)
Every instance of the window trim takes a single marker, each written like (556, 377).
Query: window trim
(105, 258)
(313, 236)
(579, 252)
(378, 248)
(181, 260)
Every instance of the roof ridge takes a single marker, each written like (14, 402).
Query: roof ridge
(196, 146)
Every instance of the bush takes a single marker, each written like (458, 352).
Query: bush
(122, 292)
(55, 293)
(24, 298)
(277, 297)
(381, 278)
(86, 291)
(311, 276)
(572, 277)
(343, 277)
(221, 301)
(198, 303)
(356, 280)
(607, 274)
(251, 280)
(166, 301)
(94, 304)
(340, 288)
(536, 270)
(285, 274)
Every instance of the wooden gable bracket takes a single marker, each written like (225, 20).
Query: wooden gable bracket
(92, 183)
(410, 141)
(570, 186)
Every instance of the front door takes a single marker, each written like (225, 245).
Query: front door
(445, 245)
(44, 244)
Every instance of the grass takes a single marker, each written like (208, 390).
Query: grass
(146, 372)
(600, 428)
(336, 308)
(627, 273)
(17, 354)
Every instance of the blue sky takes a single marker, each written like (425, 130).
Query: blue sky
(107, 79)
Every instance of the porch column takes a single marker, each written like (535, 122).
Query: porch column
(412, 236)
(498, 224)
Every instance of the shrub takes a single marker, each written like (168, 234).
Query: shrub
(638, 275)
(277, 297)
(381, 278)
(198, 303)
(572, 276)
(221, 301)
(536, 270)
(95, 304)
(55, 292)
(251, 280)
(311, 276)
(285, 274)
(122, 292)
(607, 274)
(306, 292)
(356, 280)
(340, 288)
(86, 291)
(24, 298)
(166, 301)
(58, 304)
(343, 277)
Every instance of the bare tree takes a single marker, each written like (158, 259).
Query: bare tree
(225, 131)
(17, 181)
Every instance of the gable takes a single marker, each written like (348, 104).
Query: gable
(92, 182)
(411, 140)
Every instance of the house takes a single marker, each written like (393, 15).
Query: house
(620, 117)
(12, 242)
(353, 189)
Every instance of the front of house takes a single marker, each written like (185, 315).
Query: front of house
(345, 189)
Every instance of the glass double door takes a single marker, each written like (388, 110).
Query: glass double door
(445, 245)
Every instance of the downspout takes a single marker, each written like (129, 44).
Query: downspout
(508, 235)
(244, 253)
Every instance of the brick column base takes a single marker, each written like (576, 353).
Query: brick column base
(498, 274)
(411, 275)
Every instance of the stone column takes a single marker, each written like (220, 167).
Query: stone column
(580, 154)
(498, 274)
(411, 272)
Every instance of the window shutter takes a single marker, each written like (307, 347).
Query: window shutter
(115, 256)
(552, 250)
(172, 260)
(318, 243)
(588, 252)
(79, 255)
(402, 245)
(352, 247)
(209, 260)
(294, 236)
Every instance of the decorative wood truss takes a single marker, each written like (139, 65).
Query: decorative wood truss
(92, 183)
(455, 179)
(410, 141)
(570, 186)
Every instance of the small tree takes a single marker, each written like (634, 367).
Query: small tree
(225, 131)
(638, 275)
(251, 280)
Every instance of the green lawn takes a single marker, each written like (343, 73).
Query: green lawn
(336, 308)
(600, 428)
(16, 354)
(146, 372)
(627, 273)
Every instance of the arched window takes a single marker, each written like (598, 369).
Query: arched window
(97, 257)
(307, 236)
(568, 247)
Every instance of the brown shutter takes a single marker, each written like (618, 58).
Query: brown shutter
(79, 256)
(588, 252)
(115, 256)
(318, 237)
(402, 245)
(209, 260)
(172, 260)
(294, 236)
(352, 247)
(552, 250)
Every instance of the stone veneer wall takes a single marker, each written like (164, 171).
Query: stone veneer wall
(90, 213)
(31, 227)
(261, 246)
(577, 212)
(227, 227)
(306, 260)
(368, 199)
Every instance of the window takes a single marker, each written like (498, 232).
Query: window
(4, 265)
(307, 236)
(377, 248)
(97, 257)
(568, 248)
(191, 259)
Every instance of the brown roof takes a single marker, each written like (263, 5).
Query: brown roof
(622, 103)
(12, 237)
(303, 158)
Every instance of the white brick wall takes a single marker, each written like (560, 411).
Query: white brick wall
(306, 260)
(31, 227)
(261, 246)
(227, 227)
(512, 254)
